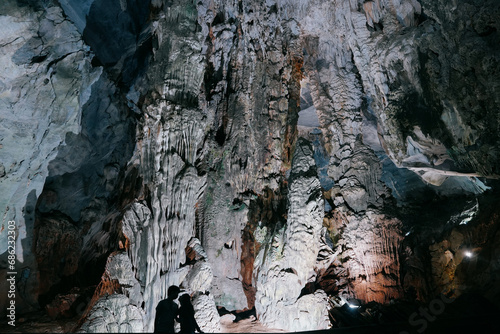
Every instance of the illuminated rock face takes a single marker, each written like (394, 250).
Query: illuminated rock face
(462, 255)
(368, 265)
(113, 314)
(158, 142)
(287, 261)
(46, 78)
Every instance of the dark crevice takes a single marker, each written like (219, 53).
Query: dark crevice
(119, 38)
(265, 210)
(378, 26)
(211, 79)
(38, 59)
(220, 136)
(218, 19)
(487, 31)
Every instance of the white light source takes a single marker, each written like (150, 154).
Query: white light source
(468, 253)
(353, 303)
(465, 221)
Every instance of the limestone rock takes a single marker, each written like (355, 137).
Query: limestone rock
(145, 130)
(206, 314)
(196, 247)
(113, 314)
(45, 79)
(171, 133)
(199, 277)
(309, 312)
(356, 198)
(459, 259)
(314, 306)
(367, 251)
(61, 306)
(287, 262)
(119, 267)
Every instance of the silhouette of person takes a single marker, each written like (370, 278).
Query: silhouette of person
(186, 316)
(167, 311)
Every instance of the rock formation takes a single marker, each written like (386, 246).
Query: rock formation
(287, 258)
(287, 155)
(46, 79)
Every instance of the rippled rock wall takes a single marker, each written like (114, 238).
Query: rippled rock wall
(46, 80)
(153, 143)
(286, 261)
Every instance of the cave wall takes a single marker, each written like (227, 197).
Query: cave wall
(166, 124)
(47, 79)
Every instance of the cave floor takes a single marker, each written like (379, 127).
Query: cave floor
(38, 322)
(483, 325)
(249, 325)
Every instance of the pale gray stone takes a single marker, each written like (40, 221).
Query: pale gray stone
(397, 98)
(200, 277)
(206, 314)
(112, 314)
(284, 266)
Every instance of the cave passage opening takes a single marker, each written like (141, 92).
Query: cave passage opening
(308, 116)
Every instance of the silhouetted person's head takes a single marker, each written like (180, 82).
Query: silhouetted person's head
(173, 292)
(185, 299)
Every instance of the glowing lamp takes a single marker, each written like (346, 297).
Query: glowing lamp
(353, 303)
(468, 253)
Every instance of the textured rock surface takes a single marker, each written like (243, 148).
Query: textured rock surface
(287, 262)
(413, 75)
(45, 79)
(199, 277)
(113, 314)
(251, 86)
(161, 153)
(367, 264)
(119, 268)
(461, 256)
(206, 314)
(43, 53)
(62, 306)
